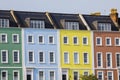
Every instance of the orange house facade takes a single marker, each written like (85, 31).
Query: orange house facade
(107, 55)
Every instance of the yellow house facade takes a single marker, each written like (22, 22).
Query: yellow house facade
(76, 54)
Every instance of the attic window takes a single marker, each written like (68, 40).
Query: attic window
(72, 25)
(104, 26)
(37, 24)
(4, 23)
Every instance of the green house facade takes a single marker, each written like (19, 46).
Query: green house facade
(10, 54)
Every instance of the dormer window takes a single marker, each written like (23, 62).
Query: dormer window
(72, 25)
(104, 26)
(4, 23)
(37, 24)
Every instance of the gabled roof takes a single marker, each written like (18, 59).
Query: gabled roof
(5, 14)
(22, 16)
(90, 19)
(57, 17)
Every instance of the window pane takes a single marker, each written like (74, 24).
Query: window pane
(108, 60)
(41, 75)
(75, 75)
(40, 39)
(85, 58)
(66, 57)
(51, 57)
(30, 39)
(100, 76)
(30, 56)
(84, 40)
(52, 75)
(65, 40)
(75, 40)
(41, 57)
(16, 76)
(4, 76)
(76, 58)
(50, 39)
(99, 59)
(16, 56)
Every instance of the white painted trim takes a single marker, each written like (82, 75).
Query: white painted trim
(115, 41)
(77, 40)
(101, 60)
(42, 39)
(43, 74)
(112, 75)
(18, 74)
(102, 74)
(54, 74)
(30, 73)
(106, 41)
(116, 58)
(6, 56)
(53, 39)
(68, 57)
(17, 38)
(54, 57)
(18, 56)
(87, 58)
(6, 74)
(39, 57)
(33, 56)
(67, 39)
(100, 41)
(6, 40)
(32, 39)
(84, 21)
(78, 61)
(110, 60)
(86, 40)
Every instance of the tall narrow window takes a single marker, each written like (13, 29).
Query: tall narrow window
(109, 60)
(52, 75)
(52, 57)
(4, 23)
(4, 75)
(75, 76)
(117, 41)
(76, 58)
(51, 40)
(31, 56)
(118, 59)
(66, 58)
(4, 56)
(41, 39)
(41, 57)
(65, 40)
(15, 38)
(75, 40)
(30, 39)
(85, 58)
(100, 75)
(16, 75)
(98, 41)
(16, 56)
(41, 75)
(85, 41)
(3, 38)
(110, 75)
(108, 41)
(99, 59)
(86, 73)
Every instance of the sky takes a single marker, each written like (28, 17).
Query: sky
(62, 6)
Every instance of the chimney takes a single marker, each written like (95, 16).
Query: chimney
(114, 15)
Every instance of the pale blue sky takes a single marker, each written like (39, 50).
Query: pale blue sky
(62, 6)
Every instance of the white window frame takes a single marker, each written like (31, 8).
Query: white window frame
(115, 41)
(42, 39)
(100, 41)
(6, 74)
(110, 41)
(6, 40)
(18, 74)
(70, 24)
(39, 24)
(102, 74)
(53, 56)
(6, 56)
(87, 58)
(33, 56)
(67, 40)
(17, 38)
(86, 40)
(32, 39)
(49, 39)
(54, 74)
(18, 56)
(77, 75)
(43, 74)
(64, 58)
(77, 40)
(77, 58)
(112, 75)
(5, 21)
(116, 59)
(43, 57)
(110, 60)
(101, 59)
